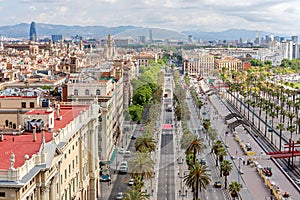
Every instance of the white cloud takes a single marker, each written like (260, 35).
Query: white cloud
(207, 15)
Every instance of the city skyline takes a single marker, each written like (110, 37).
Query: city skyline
(208, 15)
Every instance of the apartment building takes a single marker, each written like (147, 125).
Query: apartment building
(105, 84)
(199, 65)
(229, 63)
(52, 155)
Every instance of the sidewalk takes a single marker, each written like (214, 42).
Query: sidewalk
(253, 183)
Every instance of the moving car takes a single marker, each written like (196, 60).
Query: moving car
(127, 153)
(120, 195)
(203, 161)
(131, 182)
(218, 184)
(123, 167)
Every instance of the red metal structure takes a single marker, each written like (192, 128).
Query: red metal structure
(292, 150)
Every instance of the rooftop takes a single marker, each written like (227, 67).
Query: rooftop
(22, 145)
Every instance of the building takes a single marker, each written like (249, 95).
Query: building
(200, 65)
(32, 32)
(143, 58)
(109, 48)
(56, 38)
(104, 83)
(229, 63)
(52, 155)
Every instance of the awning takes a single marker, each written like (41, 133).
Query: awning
(113, 156)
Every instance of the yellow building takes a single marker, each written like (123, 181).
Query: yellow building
(229, 63)
(58, 163)
(200, 65)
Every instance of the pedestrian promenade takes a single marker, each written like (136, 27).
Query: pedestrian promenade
(255, 184)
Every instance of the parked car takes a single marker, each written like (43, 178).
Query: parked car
(203, 161)
(121, 151)
(131, 182)
(127, 154)
(218, 184)
(120, 195)
(133, 137)
(267, 171)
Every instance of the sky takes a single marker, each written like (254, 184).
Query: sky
(280, 16)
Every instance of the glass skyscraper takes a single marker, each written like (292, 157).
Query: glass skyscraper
(32, 32)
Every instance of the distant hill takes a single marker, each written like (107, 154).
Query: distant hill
(22, 30)
(157, 34)
(98, 32)
(231, 34)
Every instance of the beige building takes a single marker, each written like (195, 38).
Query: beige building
(144, 58)
(199, 66)
(106, 85)
(53, 156)
(229, 63)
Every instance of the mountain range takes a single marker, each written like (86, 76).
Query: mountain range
(98, 32)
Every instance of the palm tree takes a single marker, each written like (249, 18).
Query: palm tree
(221, 153)
(141, 165)
(226, 168)
(134, 194)
(234, 189)
(145, 140)
(281, 128)
(216, 148)
(196, 147)
(197, 178)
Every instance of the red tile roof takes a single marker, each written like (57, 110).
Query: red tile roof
(23, 144)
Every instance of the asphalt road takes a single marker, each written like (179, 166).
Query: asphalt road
(166, 178)
(121, 182)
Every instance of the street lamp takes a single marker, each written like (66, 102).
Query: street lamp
(239, 172)
(226, 134)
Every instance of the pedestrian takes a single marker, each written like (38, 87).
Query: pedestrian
(244, 162)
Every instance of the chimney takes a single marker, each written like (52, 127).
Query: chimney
(34, 134)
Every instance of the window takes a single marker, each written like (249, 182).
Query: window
(87, 92)
(6, 123)
(31, 104)
(98, 92)
(2, 194)
(23, 104)
(76, 92)
(66, 173)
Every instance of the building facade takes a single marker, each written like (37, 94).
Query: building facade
(56, 161)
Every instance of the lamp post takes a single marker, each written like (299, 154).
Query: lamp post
(226, 134)
(239, 172)
(116, 158)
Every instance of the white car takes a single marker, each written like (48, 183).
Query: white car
(120, 195)
(127, 153)
(131, 182)
(121, 151)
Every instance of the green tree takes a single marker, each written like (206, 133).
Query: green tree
(147, 141)
(225, 169)
(134, 194)
(136, 112)
(216, 148)
(195, 147)
(197, 178)
(234, 189)
(141, 165)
